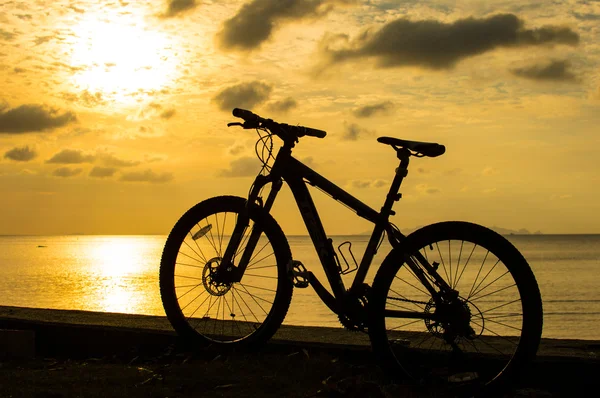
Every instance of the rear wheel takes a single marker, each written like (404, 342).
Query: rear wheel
(473, 342)
(202, 307)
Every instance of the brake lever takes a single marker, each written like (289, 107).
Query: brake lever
(245, 125)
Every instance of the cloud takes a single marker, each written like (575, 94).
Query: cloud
(21, 154)
(151, 158)
(283, 106)
(102, 172)
(149, 110)
(585, 16)
(167, 114)
(31, 118)
(438, 45)
(146, 176)
(111, 160)
(352, 131)
(85, 98)
(379, 183)
(77, 10)
(426, 189)
(66, 172)
(89, 99)
(71, 156)
(243, 95)
(143, 132)
(242, 167)
(364, 184)
(70, 68)
(236, 149)
(179, 7)
(255, 21)
(557, 71)
(153, 109)
(42, 39)
(361, 184)
(6, 35)
(308, 161)
(370, 110)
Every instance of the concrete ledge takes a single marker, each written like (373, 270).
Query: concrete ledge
(17, 344)
(563, 367)
(88, 333)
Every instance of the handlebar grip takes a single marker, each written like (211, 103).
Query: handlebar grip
(244, 114)
(314, 132)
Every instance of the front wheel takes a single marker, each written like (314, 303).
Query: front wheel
(472, 341)
(203, 308)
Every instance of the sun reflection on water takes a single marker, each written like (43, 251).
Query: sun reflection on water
(120, 268)
(117, 256)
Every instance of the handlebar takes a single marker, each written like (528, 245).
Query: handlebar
(284, 131)
(246, 115)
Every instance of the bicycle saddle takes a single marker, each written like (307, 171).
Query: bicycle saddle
(430, 149)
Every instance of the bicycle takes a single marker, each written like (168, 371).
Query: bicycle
(227, 276)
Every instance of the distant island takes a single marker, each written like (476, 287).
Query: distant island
(522, 231)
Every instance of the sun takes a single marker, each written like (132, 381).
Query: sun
(119, 55)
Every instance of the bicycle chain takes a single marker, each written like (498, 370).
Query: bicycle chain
(408, 301)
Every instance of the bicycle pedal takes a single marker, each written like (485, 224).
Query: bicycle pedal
(298, 274)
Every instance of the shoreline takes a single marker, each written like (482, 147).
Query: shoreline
(148, 327)
(67, 353)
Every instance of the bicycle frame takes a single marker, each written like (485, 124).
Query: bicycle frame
(297, 174)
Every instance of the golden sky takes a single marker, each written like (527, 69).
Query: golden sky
(113, 113)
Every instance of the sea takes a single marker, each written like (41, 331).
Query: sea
(120, 274)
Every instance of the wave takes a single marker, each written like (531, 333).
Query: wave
(571, 313)
(572, 301)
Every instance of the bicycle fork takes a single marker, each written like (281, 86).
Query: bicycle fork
(228, 272)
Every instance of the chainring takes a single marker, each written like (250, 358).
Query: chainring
(353, 323)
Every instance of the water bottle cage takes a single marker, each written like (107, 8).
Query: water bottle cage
(347, 268)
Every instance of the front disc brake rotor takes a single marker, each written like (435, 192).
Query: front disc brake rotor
(209, 281)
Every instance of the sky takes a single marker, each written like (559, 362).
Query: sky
(113, 114)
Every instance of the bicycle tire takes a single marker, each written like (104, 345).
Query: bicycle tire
(248, 312)
(498, 346)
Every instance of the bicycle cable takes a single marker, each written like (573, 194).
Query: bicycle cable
(267, 147)
(380, 240)
(265, 154)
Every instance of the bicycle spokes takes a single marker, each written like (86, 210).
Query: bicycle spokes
(212, 301)
(470, 332)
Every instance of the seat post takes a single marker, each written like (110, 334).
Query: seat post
(401, 172)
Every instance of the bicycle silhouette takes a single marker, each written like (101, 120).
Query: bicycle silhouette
(453, 304)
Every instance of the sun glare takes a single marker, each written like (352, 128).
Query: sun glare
(121, 55)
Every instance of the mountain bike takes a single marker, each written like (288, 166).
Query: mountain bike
(453, 304)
